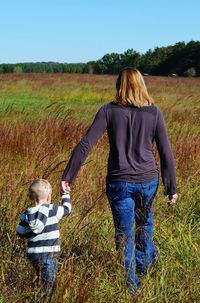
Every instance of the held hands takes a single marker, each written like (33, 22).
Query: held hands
(172, 199)
(64, 187)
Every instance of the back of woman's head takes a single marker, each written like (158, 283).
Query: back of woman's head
(131, 89)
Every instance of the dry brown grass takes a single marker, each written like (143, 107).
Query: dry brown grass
(36, 141)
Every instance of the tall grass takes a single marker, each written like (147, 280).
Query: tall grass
(42, 118)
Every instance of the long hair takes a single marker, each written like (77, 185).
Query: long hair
(131, 89)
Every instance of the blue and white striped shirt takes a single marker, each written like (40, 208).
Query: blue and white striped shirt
(39, 225)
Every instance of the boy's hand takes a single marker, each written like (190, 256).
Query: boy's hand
(172, 199)
(64, 187)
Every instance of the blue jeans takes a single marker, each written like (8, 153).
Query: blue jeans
(45, 266)
(131, 205)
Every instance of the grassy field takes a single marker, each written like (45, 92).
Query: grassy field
(42, 117)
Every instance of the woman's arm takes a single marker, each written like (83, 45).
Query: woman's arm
(166, 157)
(83, 148)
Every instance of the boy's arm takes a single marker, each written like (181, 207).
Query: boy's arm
(23, 228)
(65, 209)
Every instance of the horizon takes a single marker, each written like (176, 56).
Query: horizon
(76, 32)
(96, 59)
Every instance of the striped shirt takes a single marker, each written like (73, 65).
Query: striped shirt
(39, 225)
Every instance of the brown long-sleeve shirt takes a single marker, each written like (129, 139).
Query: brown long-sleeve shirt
(131, 133)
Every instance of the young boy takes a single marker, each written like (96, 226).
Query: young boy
(39, 224)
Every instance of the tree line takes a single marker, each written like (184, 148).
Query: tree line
(42, 67)
(181, 59)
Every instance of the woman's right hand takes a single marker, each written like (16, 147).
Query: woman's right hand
(64, 187)
(172, 199)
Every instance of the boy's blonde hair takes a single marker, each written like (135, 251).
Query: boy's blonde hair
(131, 89)
(39, 190)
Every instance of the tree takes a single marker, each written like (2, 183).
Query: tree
(131, 58)
(17, 69)
(89, 67)
(180, 58)
(190, 72)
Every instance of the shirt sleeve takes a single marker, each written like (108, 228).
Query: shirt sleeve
(83, 148)
(166, 156)
(23, 229)
(65, 209)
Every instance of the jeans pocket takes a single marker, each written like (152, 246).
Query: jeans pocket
(149, 190)
(149, 185)
(116, 191)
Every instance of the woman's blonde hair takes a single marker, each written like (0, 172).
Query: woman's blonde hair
(131, 89)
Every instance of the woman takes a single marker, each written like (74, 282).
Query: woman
(133, 123)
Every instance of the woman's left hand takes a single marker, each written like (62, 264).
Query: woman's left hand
(172, 199)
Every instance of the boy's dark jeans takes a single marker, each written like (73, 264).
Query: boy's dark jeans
(45, 266)
(131, 205)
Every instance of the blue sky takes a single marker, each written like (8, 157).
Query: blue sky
(83, 30)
